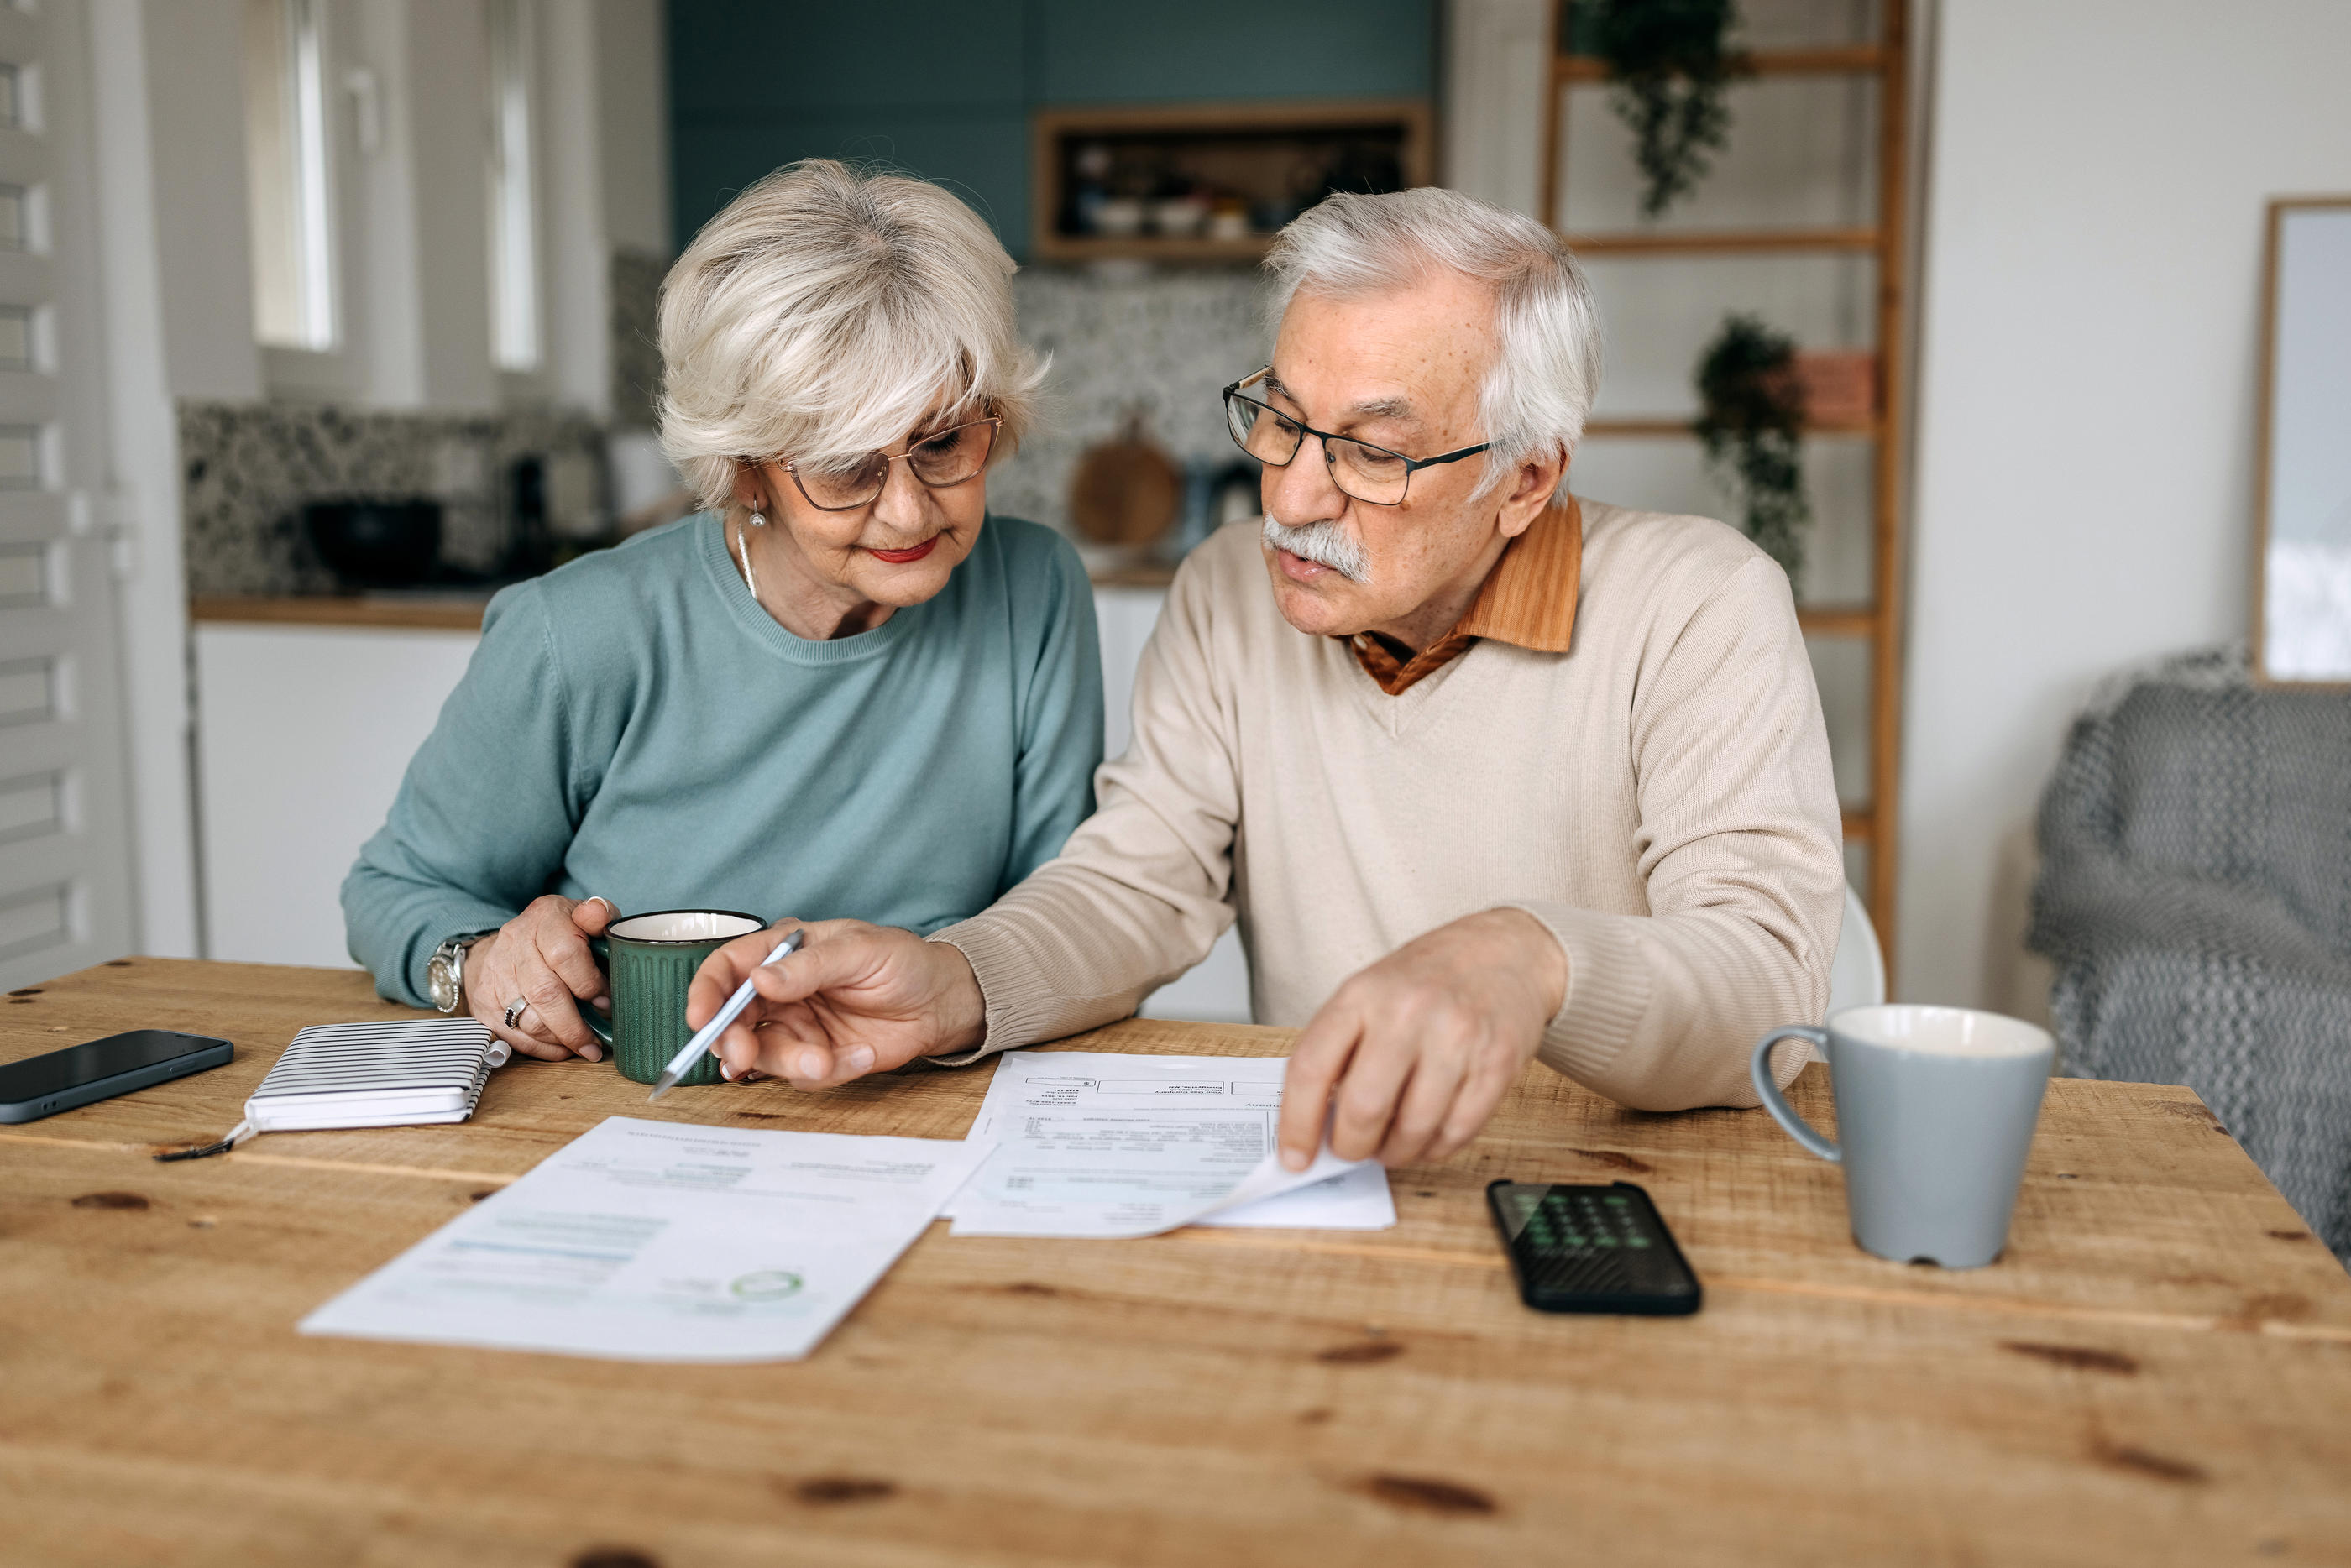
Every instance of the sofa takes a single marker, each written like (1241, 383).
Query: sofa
(2195, 899)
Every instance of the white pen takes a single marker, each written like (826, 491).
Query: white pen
(708, 1036)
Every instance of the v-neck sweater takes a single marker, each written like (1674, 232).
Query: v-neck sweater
(1659, 795)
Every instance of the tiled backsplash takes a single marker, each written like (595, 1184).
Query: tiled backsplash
(1159, 343)
(1163, 342)
(248, 468)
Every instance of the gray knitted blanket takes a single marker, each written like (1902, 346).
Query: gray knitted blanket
(2195, 894)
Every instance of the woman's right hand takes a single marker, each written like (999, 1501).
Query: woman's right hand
(541, 956)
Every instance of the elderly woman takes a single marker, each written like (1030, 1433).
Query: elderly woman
(843, 690)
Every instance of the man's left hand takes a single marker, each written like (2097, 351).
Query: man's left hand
(1417, 1050)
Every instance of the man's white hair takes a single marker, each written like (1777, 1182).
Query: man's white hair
(1547, 369)
(823, 313)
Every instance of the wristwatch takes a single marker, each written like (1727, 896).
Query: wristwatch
(445, 975)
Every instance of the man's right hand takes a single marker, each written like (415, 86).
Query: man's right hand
(856, 998)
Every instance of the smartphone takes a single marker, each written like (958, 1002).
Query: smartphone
(1592, 1249)
(40, 1086)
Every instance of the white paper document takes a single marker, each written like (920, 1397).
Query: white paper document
(1091, 1143)
(644, 1240)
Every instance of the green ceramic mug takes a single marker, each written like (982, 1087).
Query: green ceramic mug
(650, 961)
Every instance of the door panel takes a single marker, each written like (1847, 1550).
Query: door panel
(64, 888)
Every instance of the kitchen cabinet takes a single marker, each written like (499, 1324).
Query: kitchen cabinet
(302, 734)
(304, 729)
(945, 88)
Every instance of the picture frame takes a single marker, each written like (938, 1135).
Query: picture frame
(2302, 514)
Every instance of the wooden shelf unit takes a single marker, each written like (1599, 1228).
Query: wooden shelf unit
(1723, 242)
(1879, 622)
(1835, 59)
(1666, 427)
(1272, 125)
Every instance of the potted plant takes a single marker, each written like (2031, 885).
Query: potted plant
(1752, 425)
(1669, 62)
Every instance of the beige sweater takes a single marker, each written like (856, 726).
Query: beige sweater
(1659, 798)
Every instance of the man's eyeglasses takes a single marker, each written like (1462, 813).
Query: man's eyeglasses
(1359, 469)
(950, 458)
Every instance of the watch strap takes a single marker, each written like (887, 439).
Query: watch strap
(454, 950)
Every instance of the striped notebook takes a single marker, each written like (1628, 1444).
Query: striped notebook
(376, 1076)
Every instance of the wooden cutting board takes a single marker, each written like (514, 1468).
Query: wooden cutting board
(1126, 491)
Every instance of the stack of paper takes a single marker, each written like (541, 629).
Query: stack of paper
(1091, 1143)
(665, 1241)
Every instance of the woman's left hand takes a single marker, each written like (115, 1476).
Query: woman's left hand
(540, 957)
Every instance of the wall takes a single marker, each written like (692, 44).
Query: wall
(2086, 395)
(176, 304)
(177, 318)
(1496, 67)
(945, 87)
(606, 193)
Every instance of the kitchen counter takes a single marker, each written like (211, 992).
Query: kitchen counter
(429, 612)
(461, 609)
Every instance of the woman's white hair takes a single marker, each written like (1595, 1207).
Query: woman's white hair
(1547, 370)
(823, 313)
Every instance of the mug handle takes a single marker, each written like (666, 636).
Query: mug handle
(598, 1024)
(1775, 1102)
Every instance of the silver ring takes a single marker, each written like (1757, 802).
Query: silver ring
(516, 1009)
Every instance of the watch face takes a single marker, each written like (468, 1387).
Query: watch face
(441, 980)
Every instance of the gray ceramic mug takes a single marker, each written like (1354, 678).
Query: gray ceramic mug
(1936, 1107)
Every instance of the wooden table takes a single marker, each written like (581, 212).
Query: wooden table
(2159, 1370)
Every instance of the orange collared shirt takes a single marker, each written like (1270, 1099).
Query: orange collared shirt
(1528, 601)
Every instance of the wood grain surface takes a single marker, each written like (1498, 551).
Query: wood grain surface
(2158, 1370)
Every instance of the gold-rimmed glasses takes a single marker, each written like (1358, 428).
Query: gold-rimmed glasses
(1359, 469)
(942, 462)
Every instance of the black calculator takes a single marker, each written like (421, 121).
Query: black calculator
(1592, 1249)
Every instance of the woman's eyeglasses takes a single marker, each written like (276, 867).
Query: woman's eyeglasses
(1359, 469)
(950, 458)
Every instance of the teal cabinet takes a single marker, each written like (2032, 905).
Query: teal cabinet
(1095, 53)
(944, 88)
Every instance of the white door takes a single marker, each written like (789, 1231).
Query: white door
(65, 886)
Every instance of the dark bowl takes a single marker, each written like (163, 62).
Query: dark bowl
(376, 544)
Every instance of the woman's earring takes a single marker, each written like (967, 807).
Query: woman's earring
(759, 519)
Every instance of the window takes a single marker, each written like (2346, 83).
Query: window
(514, 241)
(287, 163)
(16, 338)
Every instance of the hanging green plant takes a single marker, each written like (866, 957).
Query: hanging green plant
(1669, 62)
(1753, 424)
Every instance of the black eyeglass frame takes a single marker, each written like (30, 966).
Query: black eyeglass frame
(1412, 465)
(996, 428)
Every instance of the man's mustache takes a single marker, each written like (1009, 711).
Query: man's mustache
(1324, 542)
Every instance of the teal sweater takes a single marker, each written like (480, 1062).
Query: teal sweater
(634, 725)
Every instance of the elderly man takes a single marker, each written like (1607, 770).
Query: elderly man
(1485, 773)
